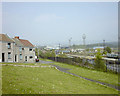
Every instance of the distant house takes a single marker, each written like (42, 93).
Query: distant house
(98, 47)
(16, 50)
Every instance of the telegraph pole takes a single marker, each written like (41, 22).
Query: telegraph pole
(59, 45)
(104, 44)
(59, 48)
(38, 52)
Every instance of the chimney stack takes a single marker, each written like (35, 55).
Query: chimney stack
(17, 37)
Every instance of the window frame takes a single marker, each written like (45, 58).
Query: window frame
(30, 49)
(21, 57)
(9, 55)
(30, 57)
(9, 45)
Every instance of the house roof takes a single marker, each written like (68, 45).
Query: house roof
(18, 42)
(4, 37)
(26, 43)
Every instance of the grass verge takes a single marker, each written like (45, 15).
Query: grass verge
(105, 77)
(21, 80)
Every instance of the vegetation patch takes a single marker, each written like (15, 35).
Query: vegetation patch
(105, 77)
(24, 80)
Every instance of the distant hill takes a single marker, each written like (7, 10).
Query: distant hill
(109, 44)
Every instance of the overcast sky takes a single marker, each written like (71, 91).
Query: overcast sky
(54, 23)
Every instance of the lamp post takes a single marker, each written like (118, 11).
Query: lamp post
(37, 51)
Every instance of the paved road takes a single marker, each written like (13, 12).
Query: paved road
(65, 71)
(45, 62)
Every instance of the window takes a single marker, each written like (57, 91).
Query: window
(30, 49)
(31, 57)
(25, 58)
(20, 49)
(9, 55)
(9, 45)
(20, 56)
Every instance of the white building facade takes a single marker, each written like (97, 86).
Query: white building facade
(16, 50)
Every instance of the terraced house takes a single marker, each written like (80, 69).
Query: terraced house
(16, 50)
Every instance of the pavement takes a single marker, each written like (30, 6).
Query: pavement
(45, 62)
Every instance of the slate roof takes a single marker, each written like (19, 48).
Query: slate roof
(18, 42)
(4, 37)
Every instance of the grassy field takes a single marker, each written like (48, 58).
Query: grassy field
(91, 74)
(25, 80)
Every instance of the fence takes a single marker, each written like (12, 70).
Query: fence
(84, 63)
(72, 61)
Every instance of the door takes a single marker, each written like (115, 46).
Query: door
(15, 58)
(25, 58)
(3, 57)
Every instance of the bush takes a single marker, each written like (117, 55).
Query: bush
(99, 63)
(108, 49)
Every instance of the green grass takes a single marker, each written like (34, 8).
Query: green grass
(25, 80)
(91, 74)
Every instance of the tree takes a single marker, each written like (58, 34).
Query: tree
(99, 63)
(105, 52)
(53, 53)
(87, 49)
(108, 49)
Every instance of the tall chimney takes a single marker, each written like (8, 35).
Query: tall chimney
(17, 37)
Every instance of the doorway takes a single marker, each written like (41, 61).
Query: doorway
(25, 58)
(3, 57)
(15, 58)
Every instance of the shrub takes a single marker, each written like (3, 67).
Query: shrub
(99, 63)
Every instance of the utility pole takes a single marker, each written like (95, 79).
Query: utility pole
(38, 52)
(59, 45)
(59, 48)
(104, 44)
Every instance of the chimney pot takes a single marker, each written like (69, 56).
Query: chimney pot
(17, 37)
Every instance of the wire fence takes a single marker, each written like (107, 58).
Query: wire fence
(115, 68)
